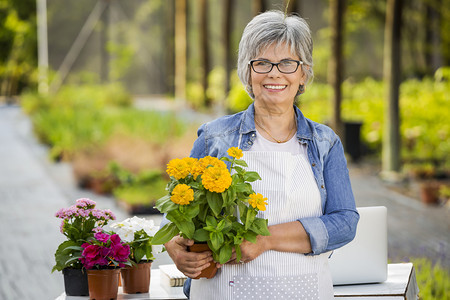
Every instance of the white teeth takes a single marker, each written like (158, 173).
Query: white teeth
(275, 87)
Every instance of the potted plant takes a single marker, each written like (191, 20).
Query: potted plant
(207, 204)
(103, 256)
(78, 224)
(138, 234)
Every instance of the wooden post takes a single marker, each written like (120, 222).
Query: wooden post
(335, 67)
(180, 51)
(391, 76)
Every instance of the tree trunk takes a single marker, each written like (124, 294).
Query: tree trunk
(433, 58)
(259, 6)
(204, 49)
(227, 30)
(291, 6)
(391, 76)
(335, 66)
(180, 51)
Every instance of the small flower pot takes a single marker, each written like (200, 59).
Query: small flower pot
(210, 271)
(75, 282)
(136, 279)
(429, 192)
(103, 284)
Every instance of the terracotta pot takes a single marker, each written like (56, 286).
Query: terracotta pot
(103, 284)
(429, 192)
(210, 271)
(75, 282)
(136, 279)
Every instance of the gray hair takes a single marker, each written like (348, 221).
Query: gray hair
(274, 27)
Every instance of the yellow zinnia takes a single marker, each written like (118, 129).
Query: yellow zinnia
(190, 161)
(178, 168)
(199, 167)
(257, 201)
(235, 152)
(216, 179)
(182, 194)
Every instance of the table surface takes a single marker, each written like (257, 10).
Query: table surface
(400, 284)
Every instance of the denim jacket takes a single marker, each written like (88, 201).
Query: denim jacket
(337, 226)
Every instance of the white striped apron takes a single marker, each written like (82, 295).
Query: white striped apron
(289, 185)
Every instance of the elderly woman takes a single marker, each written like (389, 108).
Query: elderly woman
(304, 175)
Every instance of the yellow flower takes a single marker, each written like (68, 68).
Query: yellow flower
(190, 161)
(178, 168)
(235, 152)
(216, 179)
(182, 194)
(257, 201)
(204, 162)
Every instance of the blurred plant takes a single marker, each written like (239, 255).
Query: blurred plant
(138, 233)
(433, 280)
(84, 117)
(79, 223)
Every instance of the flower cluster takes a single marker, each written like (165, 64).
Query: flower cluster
(208, 204)
(103, 251)
(138, 233)
(83, 209)
(79, 223)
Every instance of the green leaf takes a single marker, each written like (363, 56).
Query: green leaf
(251, 214)
(216, 240)
(259, 226)
(201, 235)
(239, 170)
(242, 187)
(165, 205)
(240, 162)
(211, 221)
(165, 234)
(251, 176)
(139, 254)
(225, 253)
(192, 211)
(250, 236)
(215, 202)
(237, 249)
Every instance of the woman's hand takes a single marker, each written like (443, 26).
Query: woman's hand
(189, 263)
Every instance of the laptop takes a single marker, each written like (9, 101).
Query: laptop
(363, 260)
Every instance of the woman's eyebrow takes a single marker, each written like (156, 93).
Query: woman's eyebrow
(287, 58)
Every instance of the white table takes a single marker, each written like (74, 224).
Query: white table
(400, 284)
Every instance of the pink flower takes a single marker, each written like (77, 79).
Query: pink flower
(85, 203)
(102, 237)
(115, 239)
(120, 252)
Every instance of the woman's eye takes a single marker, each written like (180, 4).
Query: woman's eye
(262, 63)
(286, 63)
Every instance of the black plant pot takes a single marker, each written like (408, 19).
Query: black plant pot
(75, 282)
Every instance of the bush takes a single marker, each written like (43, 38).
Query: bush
(84, 117)
(433, 280)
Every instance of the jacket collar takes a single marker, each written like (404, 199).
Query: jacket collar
(304, 130)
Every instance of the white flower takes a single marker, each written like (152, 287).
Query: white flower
(129, 226)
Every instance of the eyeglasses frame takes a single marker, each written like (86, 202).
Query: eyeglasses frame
(299, 62)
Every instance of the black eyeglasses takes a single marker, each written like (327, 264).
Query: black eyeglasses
(286, 66)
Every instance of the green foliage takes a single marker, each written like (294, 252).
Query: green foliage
(433, 280)
(238, 98)
(83, 117)
(211, 216)
(18, 43)
(425, 130)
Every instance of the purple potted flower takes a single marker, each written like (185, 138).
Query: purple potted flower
(79, 224)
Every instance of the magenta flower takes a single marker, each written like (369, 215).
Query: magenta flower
(102, 237)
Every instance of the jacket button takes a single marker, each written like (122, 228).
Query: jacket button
(322, 186)
(313, 165)
(249, 142)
